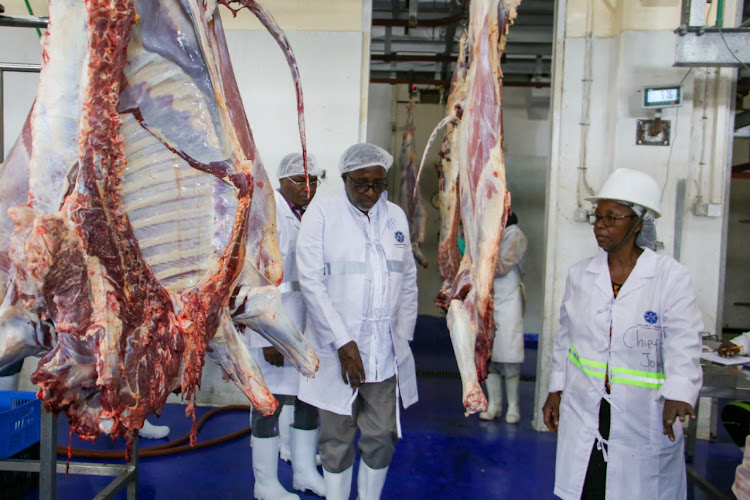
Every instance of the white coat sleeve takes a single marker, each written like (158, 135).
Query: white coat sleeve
(681, 348)
(511, 252)
(742, 340)
(561, 346)
(325, 321)
(408, 300)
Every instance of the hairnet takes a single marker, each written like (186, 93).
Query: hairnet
(647, 236)
(364, 155)
(292, 164)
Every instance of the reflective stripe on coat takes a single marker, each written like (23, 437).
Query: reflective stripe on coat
(653, 355)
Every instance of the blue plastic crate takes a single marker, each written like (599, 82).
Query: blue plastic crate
(20, 415)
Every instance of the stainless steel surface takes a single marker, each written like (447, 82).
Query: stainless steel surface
(712, 47)
(679, 218)
(48, 456)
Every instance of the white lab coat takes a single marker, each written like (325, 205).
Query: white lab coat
(283, 379)
(335, 281)
(742, 340)
(508, 344)
(653, 355)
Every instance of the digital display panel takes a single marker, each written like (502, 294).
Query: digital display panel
(662, 97)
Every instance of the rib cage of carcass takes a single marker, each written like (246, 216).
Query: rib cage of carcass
(473, 192)
(140, 216)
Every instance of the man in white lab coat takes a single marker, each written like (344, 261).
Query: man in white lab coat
(282, 379)
(358, 277)
(626, 362)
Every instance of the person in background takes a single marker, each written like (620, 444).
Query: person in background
(282, 379)
(626, 359)
(507, 348)
(358, 277)
(735, 417)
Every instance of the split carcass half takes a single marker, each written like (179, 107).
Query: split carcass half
(473, 183)
(411, 198)
(147, 209)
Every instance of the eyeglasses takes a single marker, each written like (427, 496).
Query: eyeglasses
(314, 182)
(362, 187)
(607, 220)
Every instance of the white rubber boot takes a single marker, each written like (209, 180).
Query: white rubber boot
(286, 419)
(338, 485)
(513, 416)
(370, 482)
(265, 467)
(151, 431)
(306, 477)
(10, 383)
(494, 397)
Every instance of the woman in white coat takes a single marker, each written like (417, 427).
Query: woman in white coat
(359, 280)
(281, 378)
(507, 348)
(626, 362)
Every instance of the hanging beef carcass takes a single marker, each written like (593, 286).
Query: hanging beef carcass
(473, 185)
(149, 217)
(411, 198)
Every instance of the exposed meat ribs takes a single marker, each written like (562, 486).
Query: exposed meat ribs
(148, 208)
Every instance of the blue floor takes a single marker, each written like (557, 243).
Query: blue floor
(443, 454)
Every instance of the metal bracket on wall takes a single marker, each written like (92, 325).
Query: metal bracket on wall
(654, 132)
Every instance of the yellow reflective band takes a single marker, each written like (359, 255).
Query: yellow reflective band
(638, 373)
(574, 358)
(589, 362)
(639, 383)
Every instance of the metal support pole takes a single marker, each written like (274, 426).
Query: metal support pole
(133, 483)
(48, 457)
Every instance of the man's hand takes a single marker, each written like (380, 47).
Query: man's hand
(551, 410)
(273, 356)
(352, 369)
(728, 349)
(672, 410)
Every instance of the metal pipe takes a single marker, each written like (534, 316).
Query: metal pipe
(48, 456)
(20, 68)
(423, 23)
(720, 14)
(442, 83)
(679, 218)
(24, 21)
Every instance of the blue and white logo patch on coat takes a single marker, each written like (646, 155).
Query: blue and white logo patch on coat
(651, 317)
(399, 236)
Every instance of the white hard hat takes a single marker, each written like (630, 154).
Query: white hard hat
(631, 187)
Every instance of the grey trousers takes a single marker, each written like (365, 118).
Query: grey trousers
(305, 418)
(374, 414)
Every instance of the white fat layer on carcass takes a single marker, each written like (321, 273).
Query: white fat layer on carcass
(173, 93)
(229, 352)
(463, 338)
(264, 313)
(104, 319)
(57, 110)
(182, 217)
(211, 7)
